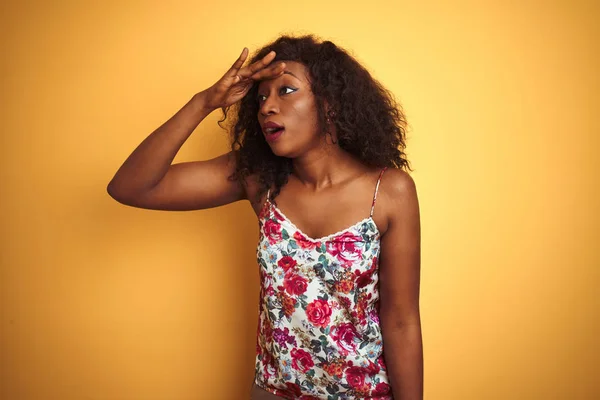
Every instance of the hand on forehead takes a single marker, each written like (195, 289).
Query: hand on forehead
(292, 68)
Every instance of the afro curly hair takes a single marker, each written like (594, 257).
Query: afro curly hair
(369, 123)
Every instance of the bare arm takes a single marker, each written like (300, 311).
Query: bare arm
(148, 180)
(147, 173)
(193, 185)
(399, 282)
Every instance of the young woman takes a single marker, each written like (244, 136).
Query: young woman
(317, 150)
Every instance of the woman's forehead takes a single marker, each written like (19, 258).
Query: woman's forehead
(292, 68)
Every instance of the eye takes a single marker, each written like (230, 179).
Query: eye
(284, 90)
(287, 90)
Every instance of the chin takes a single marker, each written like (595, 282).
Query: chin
(284, 151)
(281, 152)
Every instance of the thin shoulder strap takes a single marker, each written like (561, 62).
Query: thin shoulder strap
(267, 203)
(376, 190)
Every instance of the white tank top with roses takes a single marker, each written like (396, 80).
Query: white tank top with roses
(319, 335)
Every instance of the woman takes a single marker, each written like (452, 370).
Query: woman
(317, 151)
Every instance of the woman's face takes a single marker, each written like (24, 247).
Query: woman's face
(287, 112)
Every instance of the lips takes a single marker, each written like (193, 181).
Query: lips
(270, 128)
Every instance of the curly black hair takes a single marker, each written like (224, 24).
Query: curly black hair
(369, 123)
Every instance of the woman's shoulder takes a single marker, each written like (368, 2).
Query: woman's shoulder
(393, 181)
(397, 194)
(396, 181)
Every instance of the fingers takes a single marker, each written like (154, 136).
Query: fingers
(248, 71)
(259, 70)
(233, 71)
(269, 73)
(257, 66)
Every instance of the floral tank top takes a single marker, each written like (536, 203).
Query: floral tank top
(319, 335)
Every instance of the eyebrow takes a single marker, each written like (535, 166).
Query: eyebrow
(289, 73)
(285, 72)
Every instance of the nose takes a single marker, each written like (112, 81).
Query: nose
(269, 106)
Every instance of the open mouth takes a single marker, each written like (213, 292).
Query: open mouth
(273, 131)
(272, 134)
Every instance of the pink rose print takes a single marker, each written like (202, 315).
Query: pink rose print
(372, 369)
(344, 248)
(301, 360)
(286, 263)
(355, 377)
(294, 284)
(381, 389)
(318, 312)
(272, 231)
(366, 277)
(303, 242)
(344, 335)
(314, 291)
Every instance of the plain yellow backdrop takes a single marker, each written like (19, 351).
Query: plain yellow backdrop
(105, 302)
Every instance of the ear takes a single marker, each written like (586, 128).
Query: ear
(329, 112)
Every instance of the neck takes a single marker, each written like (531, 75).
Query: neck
(324, 167)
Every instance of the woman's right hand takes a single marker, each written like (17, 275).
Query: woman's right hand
(236, 82)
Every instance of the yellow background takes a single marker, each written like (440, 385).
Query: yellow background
(105, 302)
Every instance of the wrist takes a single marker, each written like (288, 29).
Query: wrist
(201, 103)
